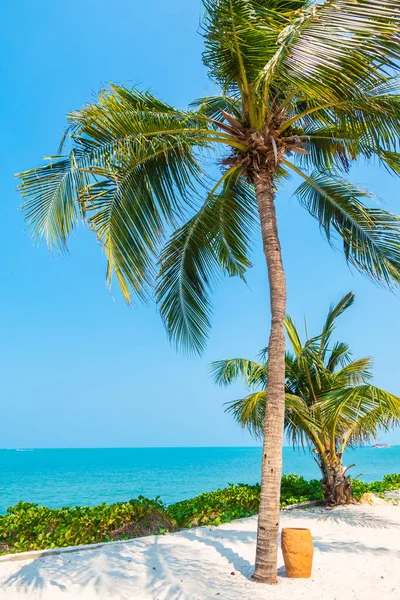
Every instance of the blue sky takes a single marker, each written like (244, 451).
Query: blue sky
(79, 368)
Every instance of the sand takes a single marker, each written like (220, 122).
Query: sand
(357, 556)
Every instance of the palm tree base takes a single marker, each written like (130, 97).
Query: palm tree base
(263, 579)
(337, 487)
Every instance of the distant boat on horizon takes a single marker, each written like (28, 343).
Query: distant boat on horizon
(380, 446)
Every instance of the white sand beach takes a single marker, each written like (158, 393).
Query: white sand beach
(357, 556)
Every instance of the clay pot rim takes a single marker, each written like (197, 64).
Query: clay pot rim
(295, 529)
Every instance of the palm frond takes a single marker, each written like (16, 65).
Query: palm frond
(359, 412)
(131, 204)
(338, 134)
(132, 170)
(240, 38)
(301, 424)
(336, 49)
(340, 355)
(293, 335)
(263, 355)
(334, 312)
(50, 193)
(217, 239)
(120, 114)
(383, 414)
(371, 240)
(249, 412)
(212, 106)
(225, 372)
(355, 372)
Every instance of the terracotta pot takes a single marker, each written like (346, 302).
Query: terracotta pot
(297, 550)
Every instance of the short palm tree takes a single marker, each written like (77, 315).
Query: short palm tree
(330, 401)
(304, 89)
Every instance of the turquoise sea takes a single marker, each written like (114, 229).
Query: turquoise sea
(62, 477)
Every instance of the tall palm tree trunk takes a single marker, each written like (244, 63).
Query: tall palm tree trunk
(268, 519)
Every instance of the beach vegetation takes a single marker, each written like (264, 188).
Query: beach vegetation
(303, 89)
(27, 526)
(330, 402)
(239, 501)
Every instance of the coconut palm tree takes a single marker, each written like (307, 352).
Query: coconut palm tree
(303, 89)
(330, 401)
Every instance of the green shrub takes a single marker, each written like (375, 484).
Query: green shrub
(239, 501)
(295, 489)
(389, 482)
(214, 508)
(31, 527)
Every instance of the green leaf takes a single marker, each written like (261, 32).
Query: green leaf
(217, 239)
(371, 236)
(225, 372)
(337, 49)
(50, 194)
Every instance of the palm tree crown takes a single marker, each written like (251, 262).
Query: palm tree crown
(305, 89)
(330, 400)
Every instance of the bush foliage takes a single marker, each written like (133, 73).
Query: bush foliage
(389, 482)
(28, 526)
(239, 501)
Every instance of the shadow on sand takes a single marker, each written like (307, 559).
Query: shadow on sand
(183, 566)
(354, 516)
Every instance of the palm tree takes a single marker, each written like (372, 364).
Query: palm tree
(303, 89)
(330, 402)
